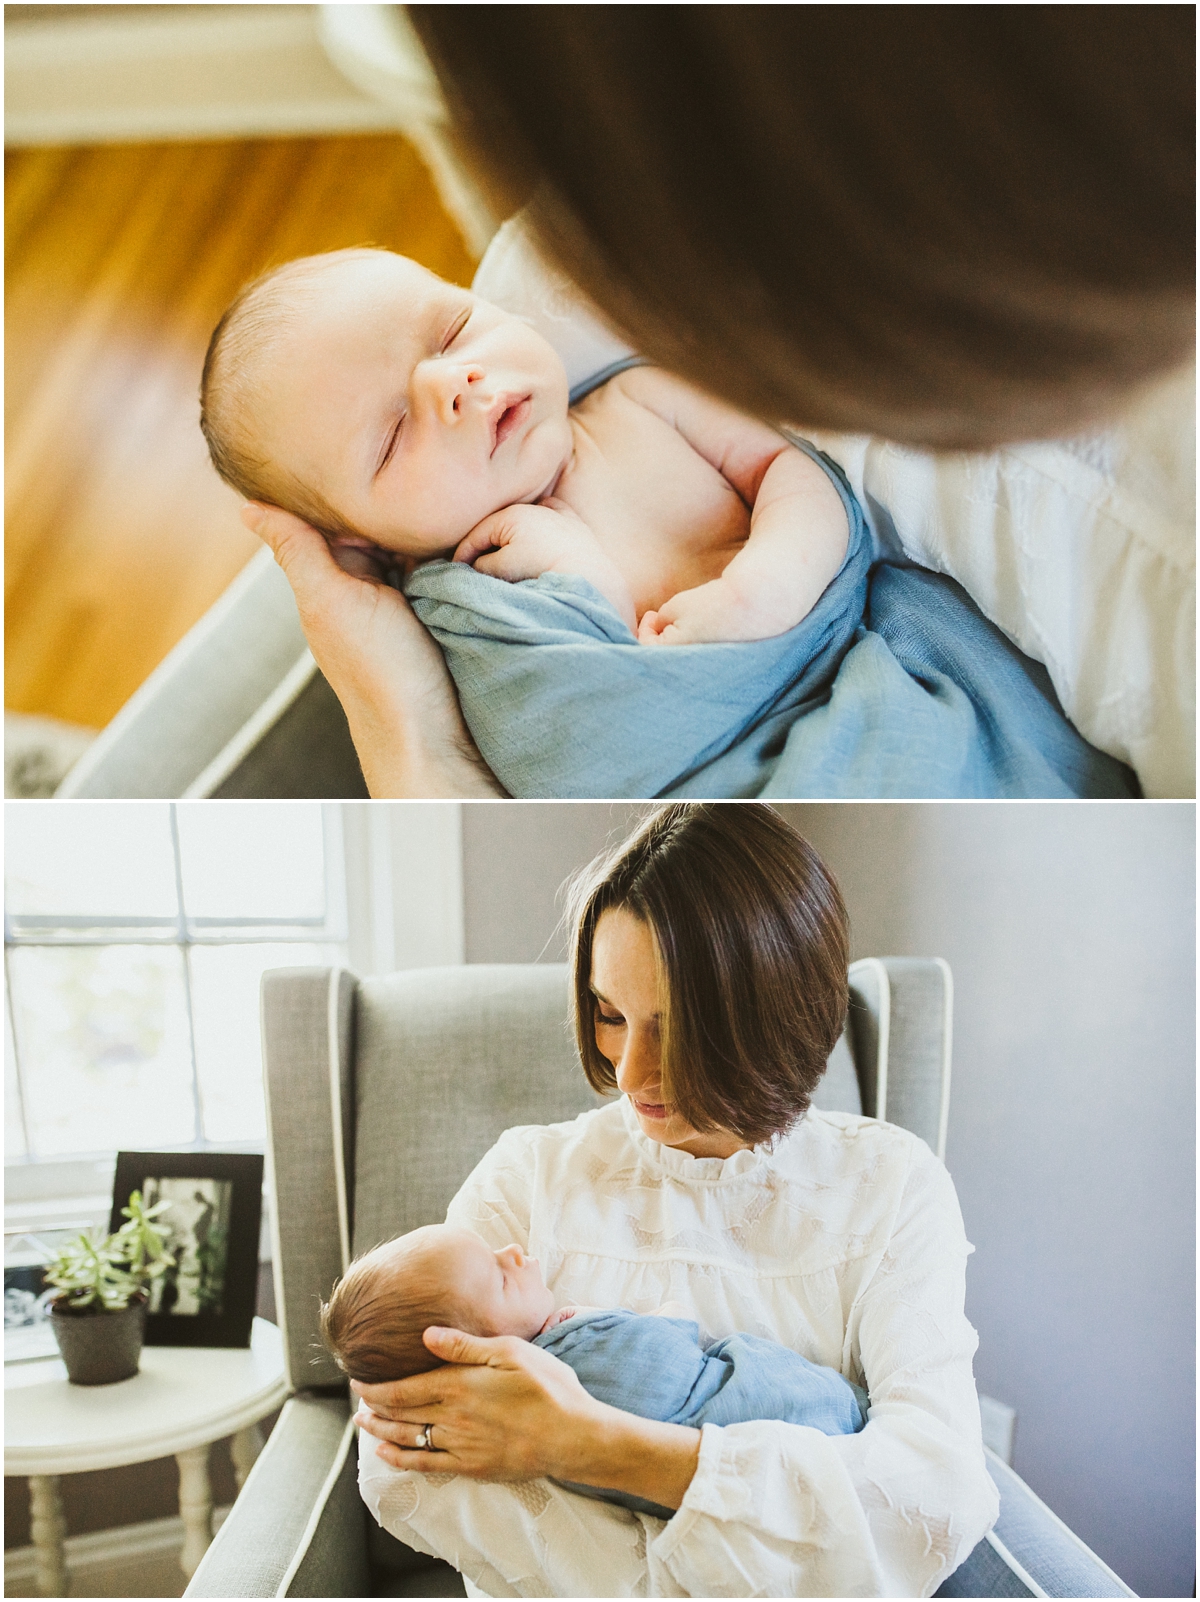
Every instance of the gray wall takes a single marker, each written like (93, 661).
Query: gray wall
(516, 855)
(1070, 930)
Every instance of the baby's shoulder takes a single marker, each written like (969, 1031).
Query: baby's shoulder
(642, 388)
(651, 388)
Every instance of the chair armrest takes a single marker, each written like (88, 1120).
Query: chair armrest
(247, 650)
(1031, 1552)
(298, 1527)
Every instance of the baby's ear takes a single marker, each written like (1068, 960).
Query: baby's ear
(361, 561)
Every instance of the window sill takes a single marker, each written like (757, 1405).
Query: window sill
(76, 1194)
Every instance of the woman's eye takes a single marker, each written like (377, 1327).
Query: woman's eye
(611, 1019)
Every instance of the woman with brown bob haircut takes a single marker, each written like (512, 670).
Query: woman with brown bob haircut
(710, 959)
(751, 948)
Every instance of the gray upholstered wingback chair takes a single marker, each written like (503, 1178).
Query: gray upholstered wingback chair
(382, 1095)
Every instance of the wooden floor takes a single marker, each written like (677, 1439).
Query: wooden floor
(119, 260)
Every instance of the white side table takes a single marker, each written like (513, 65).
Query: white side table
(181, 1400)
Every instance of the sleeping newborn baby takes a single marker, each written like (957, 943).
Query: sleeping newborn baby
(652, 1365)
(546, 537)
(400, 414)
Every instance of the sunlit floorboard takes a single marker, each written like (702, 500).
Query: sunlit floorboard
(119, 260)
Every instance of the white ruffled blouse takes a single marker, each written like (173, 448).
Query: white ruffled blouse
(845, 1242)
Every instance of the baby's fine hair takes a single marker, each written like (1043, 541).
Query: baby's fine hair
(258, 314)
(373, 1328)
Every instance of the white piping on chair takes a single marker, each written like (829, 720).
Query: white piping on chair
(335, 1108)
(884, 1026)
(1066, 1529)
(947, 1044)
(1010, 1562)
(310, 1529)
(273, 1210)
(252, 731)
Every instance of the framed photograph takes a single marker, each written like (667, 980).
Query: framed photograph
(215, 1209)
(28, 1335)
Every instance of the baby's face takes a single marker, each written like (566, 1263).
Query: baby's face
(412, 407)
(503, 1291)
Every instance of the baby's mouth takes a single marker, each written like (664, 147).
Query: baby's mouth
(510, 418)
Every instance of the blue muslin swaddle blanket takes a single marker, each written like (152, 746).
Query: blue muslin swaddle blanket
(894, 685)
(657, 1368)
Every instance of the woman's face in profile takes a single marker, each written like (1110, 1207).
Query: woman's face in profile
(627, 1012)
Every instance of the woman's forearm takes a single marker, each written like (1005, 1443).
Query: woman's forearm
(384, 668)
(621, 1452)
(398, 762)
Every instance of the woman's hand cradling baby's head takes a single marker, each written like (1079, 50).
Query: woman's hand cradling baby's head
(384, 668)
(500, 1409)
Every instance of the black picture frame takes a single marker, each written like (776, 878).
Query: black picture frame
(209, 1299)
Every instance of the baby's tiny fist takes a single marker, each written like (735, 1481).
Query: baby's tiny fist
(649, 629)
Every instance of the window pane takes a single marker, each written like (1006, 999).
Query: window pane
(102, 1033)
(82, 859)
(246, 859)
(14, 1139)
(225, 984)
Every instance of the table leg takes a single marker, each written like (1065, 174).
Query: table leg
(244, 1449)
(48, 1529)
(195, 1506)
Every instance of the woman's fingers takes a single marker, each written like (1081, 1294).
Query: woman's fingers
(274, 526)
(407, 1400)
(500, 1409)
(397, 1432)
(419, 1461)
(454, 1346)
(397, 1444)
(301, 550)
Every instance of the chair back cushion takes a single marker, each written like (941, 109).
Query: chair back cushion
(838, 1090)
(447, 1059)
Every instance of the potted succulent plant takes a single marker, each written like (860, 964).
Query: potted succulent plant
(102, 1285)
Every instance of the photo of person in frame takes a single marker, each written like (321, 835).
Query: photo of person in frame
(198, 1219)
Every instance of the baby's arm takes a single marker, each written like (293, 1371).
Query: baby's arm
(798, 526)
(522, 542)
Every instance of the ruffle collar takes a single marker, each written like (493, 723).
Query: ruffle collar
(694, 1170)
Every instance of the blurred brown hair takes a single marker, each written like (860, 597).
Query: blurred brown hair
(375, 1334)
(948, 225)
(752, 943)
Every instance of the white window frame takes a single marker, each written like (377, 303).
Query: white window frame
(48, 1192)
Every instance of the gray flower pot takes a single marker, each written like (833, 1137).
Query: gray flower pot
(100, 1348)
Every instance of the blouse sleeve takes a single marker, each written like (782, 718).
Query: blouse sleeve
(780, 1510)
(496, 1198)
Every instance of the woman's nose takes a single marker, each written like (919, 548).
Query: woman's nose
(637, 1068)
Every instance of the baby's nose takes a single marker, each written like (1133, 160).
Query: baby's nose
(452, 385)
